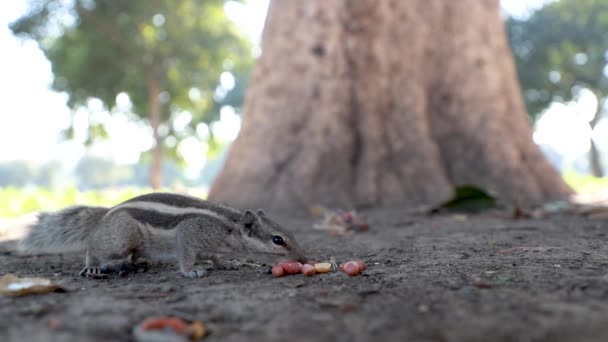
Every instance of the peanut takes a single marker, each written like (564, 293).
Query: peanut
(351, 268)
(277, 271)
(323, 267)
(291, 267)
(308, 270)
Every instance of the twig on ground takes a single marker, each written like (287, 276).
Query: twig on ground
(525, 248)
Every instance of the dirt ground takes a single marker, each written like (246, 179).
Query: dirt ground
(428, 278)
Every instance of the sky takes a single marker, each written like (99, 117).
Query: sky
(32, 115)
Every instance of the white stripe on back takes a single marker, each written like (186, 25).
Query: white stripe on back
(169, 210)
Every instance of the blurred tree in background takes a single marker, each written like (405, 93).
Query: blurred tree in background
(19, 173)
(16, 173)
(167, 56)
(560, 50)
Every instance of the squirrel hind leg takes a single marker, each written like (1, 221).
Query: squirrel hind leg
(125, 267)
(134, 263)
(99, 263)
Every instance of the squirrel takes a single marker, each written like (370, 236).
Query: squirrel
(160, 227)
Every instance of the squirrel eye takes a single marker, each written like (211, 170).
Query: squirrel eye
(278, 240)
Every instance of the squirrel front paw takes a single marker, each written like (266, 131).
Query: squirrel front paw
(195, 273)
(92, 272)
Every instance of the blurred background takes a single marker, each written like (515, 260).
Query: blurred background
(77, 124)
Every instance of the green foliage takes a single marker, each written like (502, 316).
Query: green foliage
(15, 201)
(585, 184)
(468, 198)
(112, 47)
(89, 173)
(560, 49)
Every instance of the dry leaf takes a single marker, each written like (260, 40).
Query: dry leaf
(11, 285)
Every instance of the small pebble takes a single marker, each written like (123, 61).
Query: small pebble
(423, 308)
(54, 324)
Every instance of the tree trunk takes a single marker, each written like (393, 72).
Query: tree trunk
(154, 109)
(596, 161)
(363, 102)
(594, 155)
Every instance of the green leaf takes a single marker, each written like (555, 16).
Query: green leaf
(468, 198)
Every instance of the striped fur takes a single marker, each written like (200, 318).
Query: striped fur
(62, 231)
(185, 201)
(152, 208)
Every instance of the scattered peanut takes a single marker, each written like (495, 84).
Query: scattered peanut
(351, 268)
(196, 330)
(159, 323)
(291, 267)
(361, 265)
(308, 270)
(322, 267)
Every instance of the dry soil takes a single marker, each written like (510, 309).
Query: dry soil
(428, 278)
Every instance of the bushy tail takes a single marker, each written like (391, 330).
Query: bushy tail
(63, 231)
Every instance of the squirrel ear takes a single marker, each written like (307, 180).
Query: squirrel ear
(260, 212)
(248, 219)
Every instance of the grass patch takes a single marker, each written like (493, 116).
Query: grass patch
(585, 184)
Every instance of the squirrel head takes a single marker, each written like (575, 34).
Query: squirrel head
(265, 236)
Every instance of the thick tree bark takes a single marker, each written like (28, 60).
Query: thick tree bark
(365, 102)
(154, 110)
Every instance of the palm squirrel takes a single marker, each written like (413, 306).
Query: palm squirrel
(161, 227)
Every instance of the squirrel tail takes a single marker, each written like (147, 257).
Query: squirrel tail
(63, 231)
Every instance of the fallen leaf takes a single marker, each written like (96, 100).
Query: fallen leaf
(468, 198)
(340, 222)
(11, 285)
